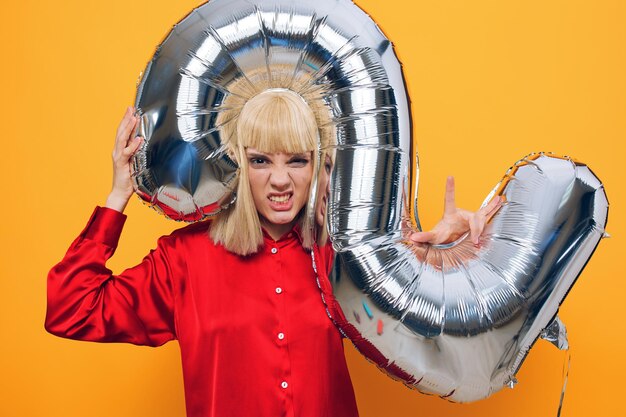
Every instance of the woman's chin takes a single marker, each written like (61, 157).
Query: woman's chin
(279, 219)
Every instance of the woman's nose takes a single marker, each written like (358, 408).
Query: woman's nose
(280, 178)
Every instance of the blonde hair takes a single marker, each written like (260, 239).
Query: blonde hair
(321, 230)
(273, 121)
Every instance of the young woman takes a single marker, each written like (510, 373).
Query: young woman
(238, 292)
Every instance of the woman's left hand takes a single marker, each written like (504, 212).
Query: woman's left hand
(456, 221)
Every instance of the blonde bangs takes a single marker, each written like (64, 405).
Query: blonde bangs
(277, 121)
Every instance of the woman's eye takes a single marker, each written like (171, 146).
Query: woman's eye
(257, 161)
(299, 161)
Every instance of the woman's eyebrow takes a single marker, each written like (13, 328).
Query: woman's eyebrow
(251, 154)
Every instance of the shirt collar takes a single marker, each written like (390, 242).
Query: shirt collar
(294, 233)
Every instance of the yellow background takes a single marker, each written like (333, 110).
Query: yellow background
(490, 81)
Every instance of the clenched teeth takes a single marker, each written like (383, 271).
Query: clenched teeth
(279, 198)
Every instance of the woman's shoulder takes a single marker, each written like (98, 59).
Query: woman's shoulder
(186, 241)
(196, 229)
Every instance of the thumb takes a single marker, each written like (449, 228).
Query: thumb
(422, 237)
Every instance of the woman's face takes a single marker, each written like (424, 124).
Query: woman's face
(280, 187)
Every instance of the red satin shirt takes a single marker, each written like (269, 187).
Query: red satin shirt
(254, 335)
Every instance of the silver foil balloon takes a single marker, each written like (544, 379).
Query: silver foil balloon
(456, 320)
(225, 52)
(451, 320)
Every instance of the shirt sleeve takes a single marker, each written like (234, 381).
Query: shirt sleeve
(87, 302)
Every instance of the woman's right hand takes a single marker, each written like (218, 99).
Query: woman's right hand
(125, 147)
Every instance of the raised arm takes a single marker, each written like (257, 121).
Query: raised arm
(85, 300)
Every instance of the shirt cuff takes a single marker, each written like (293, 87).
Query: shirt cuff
(105, 226)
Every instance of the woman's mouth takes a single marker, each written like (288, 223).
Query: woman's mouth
(280, 198)
(280, 202)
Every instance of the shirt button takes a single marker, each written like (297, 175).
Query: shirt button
(278, 290)
(274, 250)
(281, 336)
(284, 384)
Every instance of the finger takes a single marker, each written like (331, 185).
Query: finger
(129, 134)
(494, 202)
(489, 208)
(491, 204)
(477, 225)
(133, 146)
(127, 124)
(122, 139)
(494, 208)
(422, 237)
(449, 205)
(126, 119)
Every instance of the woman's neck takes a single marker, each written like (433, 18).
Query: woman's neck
(276, 231)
